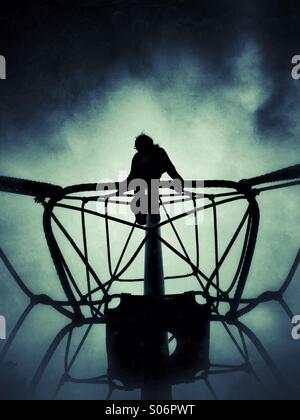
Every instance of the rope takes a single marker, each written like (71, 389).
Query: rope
(214, 281)
(216, 237)
(293, 172)
(86, 255)
(31, 188)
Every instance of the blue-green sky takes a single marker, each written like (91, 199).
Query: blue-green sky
(211, 82)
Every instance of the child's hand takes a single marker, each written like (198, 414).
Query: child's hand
(40, 199)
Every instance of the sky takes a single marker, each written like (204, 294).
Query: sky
(210, 81)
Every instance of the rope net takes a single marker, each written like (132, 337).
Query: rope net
(97, 250)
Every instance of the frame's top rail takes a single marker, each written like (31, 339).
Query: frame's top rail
(27, 187)
(46, 190)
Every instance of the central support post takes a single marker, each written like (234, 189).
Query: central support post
(155, 387)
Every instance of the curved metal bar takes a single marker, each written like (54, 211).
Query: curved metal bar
(56, 255)
(263, 353)
(15, 332)
(48, 356)
(15, 275)
(291, 274)
(249, 254)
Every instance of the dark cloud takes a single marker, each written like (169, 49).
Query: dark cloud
(59, 52)
(276, 31)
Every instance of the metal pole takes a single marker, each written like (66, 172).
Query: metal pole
(155, 387)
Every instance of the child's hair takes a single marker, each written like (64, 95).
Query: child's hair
(144, 142)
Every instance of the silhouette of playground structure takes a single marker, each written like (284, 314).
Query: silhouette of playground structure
(137, 351)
